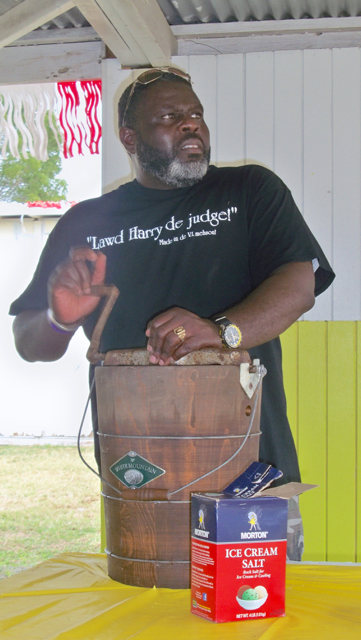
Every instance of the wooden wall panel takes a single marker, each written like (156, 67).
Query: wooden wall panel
(312, 433)
(358, 442)
(288, 117)
(230, 109)
(260, 109)
(317, 161)
(182, 62)
(341, 442)
(346, 107)
(290, 376)
(326, 403)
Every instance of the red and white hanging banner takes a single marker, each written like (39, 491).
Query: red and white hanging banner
(72, 110)
(79, 116)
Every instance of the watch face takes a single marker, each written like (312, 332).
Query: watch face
(232, 336)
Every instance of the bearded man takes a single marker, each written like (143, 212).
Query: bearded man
(203, 257)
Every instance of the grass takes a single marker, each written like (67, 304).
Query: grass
(50, 504)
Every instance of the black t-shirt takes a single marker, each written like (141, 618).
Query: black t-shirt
(203, 248)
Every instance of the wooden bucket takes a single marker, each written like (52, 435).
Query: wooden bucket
(161, 429)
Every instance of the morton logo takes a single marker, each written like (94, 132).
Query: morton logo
(253, 518)
(202, 512)
(135, 471)
(201, 517)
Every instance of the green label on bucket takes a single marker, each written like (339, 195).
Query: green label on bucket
(135, 471)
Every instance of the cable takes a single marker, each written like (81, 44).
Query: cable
(78, 443)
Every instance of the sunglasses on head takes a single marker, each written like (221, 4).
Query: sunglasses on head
(150, 76)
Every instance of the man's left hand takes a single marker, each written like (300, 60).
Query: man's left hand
(165, 346)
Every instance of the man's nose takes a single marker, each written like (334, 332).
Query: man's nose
(189, 124)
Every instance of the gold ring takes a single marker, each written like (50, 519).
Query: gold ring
(180, 332)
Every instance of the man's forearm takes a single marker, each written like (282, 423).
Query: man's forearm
(276, 304)
(36, 340)
(268, 311)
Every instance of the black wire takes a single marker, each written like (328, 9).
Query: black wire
(78, 442)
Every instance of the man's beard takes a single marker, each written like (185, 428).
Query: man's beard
(169, 169)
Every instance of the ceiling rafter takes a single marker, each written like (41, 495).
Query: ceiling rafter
(267, 35)
(29, 15)
(127, 52)
(149, 26)
(136, 31)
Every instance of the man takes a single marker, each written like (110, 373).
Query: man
(186, 244)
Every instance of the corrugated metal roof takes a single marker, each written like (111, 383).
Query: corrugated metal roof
(196, 11)
(185, 12)
(68, 20)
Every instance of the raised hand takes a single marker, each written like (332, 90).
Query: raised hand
(69, 285)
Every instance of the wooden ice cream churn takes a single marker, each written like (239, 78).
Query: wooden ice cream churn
(165, 432)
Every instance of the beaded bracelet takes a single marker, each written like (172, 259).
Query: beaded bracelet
(57, 326)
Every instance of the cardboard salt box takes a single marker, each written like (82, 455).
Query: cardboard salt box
(238, 547)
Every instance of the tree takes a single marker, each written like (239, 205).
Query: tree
(32, 180)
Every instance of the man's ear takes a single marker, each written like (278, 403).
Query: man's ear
(128, 138)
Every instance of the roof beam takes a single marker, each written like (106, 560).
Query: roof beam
(149, 27)
(29, 15)
(116, 36)
(57, 36)
(136, 31)
(50, 63)
(267, 28)
(267, 35)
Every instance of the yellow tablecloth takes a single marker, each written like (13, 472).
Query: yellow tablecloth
(71, 598)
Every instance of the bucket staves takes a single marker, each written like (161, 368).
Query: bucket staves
(160, 429)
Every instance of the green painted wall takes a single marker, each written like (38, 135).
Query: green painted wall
(321, 364)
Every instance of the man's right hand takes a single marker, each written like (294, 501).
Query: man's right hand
(69, 285)
(70, 301)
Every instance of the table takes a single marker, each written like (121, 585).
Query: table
(70, 597)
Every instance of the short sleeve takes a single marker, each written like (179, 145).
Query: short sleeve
(278, 233)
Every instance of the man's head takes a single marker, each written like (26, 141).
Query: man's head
(162, 128)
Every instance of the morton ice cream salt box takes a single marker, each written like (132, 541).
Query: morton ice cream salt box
(238, 548)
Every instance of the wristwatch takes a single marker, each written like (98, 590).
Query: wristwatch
(231, 335)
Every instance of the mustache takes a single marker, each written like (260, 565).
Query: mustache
(190, 136)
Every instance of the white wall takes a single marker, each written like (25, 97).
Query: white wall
(36, 398)
(298, 113)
